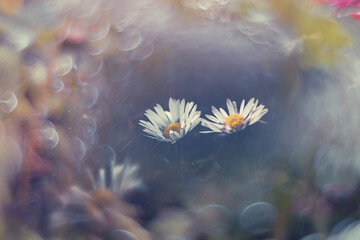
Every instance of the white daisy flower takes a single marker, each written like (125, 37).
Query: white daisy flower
(170, 126)
(236, 120)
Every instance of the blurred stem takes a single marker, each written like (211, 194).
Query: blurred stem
(181, 154)
(177, 158)
(281, 226)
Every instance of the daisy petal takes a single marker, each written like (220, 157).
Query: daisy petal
(182, 110)
(151, 133)
(170, 116)
(146, 124)
(212, 126)
(177, 111)
(217, 113)
(212, 118)
(151, 136)
(154, 118)
(153, 129)
(174, 135)
(188, 108)
(195, 123)
(172, 109)
(207, 131)
(161, 113)
(193, 112)
(255, 104)
(257, 118)
(182, 132)
(196, 116)
(248, 108)
(235, 107)
(223, 112)
(242, 107)
(230, 106)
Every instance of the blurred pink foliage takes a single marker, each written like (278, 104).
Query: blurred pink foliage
(354, 5)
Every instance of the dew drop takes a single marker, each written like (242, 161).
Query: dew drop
(98, 47)
(122, 235)
(128, 40)
(63, 65)
(89, 66)
(88, 95)
(78, 148)
(143, 52)
(314, 236)
(49, 135)
(99, 31)
(258, 217)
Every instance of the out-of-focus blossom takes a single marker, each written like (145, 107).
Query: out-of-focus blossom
(172, 125)
(344, 3)
(101, 209)
(340, 3)
(124, 178)
(237, 119)
(353, 7)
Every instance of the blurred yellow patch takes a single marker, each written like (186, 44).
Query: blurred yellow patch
(243, 8)
(46, 35)
(323, 38)
(328, 40)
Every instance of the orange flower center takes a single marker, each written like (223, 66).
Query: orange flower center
(234, 121)
(172, 127)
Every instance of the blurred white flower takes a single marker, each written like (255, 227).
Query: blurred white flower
(236, 120)
(170, 126)
(124, 177)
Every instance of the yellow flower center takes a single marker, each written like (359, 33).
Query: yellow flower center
(172, 127)
(234, 121)
(100, 199)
